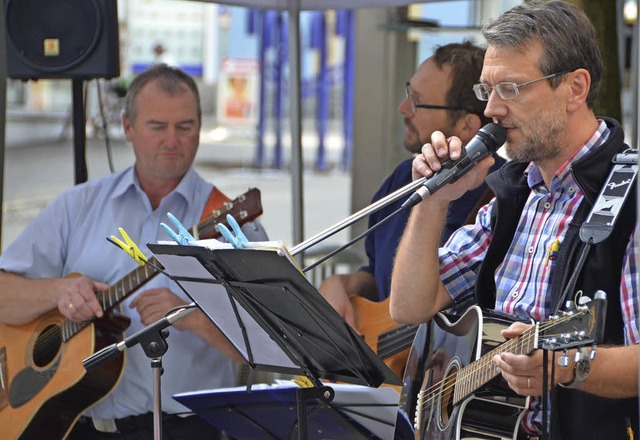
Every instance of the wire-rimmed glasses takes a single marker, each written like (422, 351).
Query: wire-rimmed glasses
(507, 89)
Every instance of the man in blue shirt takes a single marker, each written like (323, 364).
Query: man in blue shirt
(162, 120)
(439, 96)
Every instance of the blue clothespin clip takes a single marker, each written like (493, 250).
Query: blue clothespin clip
(239, 239)
(183, 236)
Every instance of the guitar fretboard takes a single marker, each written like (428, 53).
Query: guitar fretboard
(480, 372)
(245, 207)
(115, 294)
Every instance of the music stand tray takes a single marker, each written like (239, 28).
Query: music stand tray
(269, 412)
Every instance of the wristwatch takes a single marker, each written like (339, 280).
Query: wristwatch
(580, 372)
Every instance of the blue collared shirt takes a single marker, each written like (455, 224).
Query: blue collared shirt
(69, 235)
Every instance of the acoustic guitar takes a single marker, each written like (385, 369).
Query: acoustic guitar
(452, 390)
(390, 340)
(43, 385)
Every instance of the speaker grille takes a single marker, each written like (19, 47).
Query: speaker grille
(62, 38)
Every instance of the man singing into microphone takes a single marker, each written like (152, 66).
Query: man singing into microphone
(540, 80)
(438, 97)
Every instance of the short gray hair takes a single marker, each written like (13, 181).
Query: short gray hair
(564, 31)
(170, 79)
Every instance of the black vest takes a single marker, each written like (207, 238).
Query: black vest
(576, 414)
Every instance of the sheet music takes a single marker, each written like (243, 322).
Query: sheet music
(217, 304)
(269, 310)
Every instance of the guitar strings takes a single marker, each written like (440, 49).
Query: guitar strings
(68, 328)
(429, 395)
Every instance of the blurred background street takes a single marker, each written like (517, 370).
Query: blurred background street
(37, 172)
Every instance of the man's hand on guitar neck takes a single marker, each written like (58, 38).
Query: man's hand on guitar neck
(78, 301)
(524, 373)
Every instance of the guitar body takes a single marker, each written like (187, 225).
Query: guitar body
(49, 387)
(44, 387)
(390, 340)
(440, 350)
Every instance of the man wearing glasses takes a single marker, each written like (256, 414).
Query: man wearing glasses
(438, 96)
(524, 255)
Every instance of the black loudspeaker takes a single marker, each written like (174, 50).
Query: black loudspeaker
(62, 39)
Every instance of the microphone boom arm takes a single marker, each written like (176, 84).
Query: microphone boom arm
(374, 207)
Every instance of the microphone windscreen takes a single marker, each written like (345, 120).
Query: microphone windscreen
(497, 134)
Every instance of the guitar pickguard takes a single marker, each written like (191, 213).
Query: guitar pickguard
(29, 382)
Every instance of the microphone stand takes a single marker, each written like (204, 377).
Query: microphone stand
(368, 210)
(153, 341)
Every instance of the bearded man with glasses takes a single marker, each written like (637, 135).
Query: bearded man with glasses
(439, 96)
(525, 254)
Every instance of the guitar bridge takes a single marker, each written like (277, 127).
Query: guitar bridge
(4, 379)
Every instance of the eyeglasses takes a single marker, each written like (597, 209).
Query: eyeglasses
(415, 105)
(507, 89)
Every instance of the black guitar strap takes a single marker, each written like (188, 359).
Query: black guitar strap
(606, 209)
(597, 228)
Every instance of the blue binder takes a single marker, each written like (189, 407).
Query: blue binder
(271, 413)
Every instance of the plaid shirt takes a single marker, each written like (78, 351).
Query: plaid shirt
(523, 279)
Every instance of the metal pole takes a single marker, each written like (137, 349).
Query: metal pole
(3, 111)
(296, 123)
(390, 198)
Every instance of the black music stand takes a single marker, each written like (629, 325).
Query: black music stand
(274, 317)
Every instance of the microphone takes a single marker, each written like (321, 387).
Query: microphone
(488, 139)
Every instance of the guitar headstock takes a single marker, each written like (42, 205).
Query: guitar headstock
(243, 208)
(577, 326)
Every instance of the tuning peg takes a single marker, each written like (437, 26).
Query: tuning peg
(584, 300)
(551, 342)
(579, 335)
(565, 338)
(569, 305)
(580, 355)
(600, 294)
(563, 360)
(592, 353)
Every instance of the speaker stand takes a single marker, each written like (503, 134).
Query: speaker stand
(79, 133)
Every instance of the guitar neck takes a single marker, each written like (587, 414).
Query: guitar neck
(116, 293)
(244, 208)
(480, 372)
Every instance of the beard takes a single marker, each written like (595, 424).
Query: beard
(412, 145)
(541, 141)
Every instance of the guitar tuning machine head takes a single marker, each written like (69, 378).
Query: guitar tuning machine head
(581, 355)
(569, 305)
(551, 342)
(565, 338)
(563, 360)
(584, 300)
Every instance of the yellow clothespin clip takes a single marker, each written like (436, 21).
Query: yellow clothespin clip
(129, 246)
(302, 382)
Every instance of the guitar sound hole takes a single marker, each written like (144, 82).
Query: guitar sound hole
(47, 346)
(447, 396)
